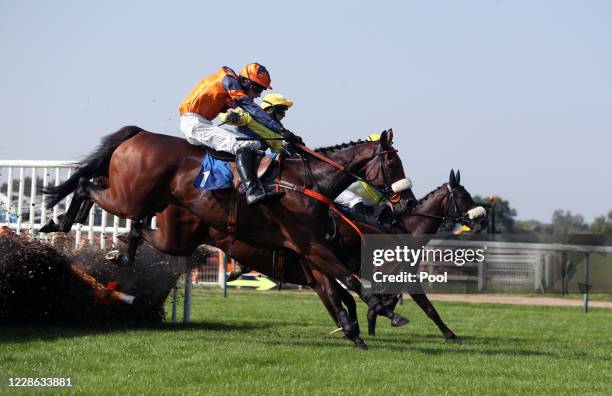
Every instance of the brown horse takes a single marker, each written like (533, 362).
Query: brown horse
(143, 179)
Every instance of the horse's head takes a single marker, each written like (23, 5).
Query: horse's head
(386, 172)
(459, 205)
(450, 202)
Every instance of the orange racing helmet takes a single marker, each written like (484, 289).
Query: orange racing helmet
(258, 74)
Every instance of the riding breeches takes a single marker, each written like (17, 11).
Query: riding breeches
(348, 198)
(200, 131)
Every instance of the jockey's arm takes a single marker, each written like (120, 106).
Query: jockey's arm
(248, 121)
(259, 114)
(241, 100)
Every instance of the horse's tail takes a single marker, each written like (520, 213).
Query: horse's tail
(95, 164)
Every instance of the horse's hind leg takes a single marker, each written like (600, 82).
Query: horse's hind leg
(83, 214)
(68, 218)
(134, 238)
(321, 258)
(122, 201)
(427, 307)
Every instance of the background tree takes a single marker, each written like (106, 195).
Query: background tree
(602, 224)
(564, 222)
(27, 186)
(504, 213)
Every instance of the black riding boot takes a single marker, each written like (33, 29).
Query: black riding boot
(245, 163)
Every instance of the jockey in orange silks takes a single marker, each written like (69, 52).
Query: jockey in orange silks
(217, 93)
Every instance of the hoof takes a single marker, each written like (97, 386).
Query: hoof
(113, 255)
(399, 320)
(50, 226)
(359, 344)
(372, 332)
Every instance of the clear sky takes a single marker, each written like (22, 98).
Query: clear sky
(517, 94)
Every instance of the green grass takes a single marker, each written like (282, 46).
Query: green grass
(263, 343)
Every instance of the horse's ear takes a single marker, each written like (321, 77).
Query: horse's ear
(384, 140)
(458, 177)
(390, 136)
(452, 181)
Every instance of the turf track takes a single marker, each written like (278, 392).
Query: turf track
(269, 342)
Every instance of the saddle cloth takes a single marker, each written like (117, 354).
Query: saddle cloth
(219, 172)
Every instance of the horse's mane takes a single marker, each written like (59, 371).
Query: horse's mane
(429, 194)
(340, 146)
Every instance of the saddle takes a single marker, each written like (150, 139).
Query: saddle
(224, 167)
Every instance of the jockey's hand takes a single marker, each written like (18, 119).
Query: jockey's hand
(232, 118)
(291, 137)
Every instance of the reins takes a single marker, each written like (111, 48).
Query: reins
(327, 161)
(320, 197)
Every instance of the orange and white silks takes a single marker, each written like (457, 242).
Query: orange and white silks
(213, 94)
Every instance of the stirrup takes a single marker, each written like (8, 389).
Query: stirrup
(255, 195)
(262, 195)
(274, 195)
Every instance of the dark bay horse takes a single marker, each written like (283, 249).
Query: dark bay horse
(146, 172)
(450, 202)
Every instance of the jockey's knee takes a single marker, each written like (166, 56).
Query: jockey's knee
(245, 144)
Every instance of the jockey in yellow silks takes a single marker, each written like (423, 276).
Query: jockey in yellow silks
(275, 105)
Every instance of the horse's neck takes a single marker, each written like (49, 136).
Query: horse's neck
(431, 206)
(330, 181)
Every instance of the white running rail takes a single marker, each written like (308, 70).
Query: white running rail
(22, 209)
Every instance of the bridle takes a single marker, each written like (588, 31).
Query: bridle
(386, 189)
(453, 214)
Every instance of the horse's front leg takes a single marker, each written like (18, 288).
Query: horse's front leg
(376, 303)
(333, 298)
(318, 284)
(322, 259)
(389, 301)
(321, 285)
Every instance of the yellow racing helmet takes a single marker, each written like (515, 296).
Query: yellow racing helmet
(275, 99)
(373, 137)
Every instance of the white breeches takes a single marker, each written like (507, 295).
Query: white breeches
(201, 132)
(348, 198)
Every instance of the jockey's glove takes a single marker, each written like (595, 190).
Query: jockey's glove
(291, 137)
(232, 118)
